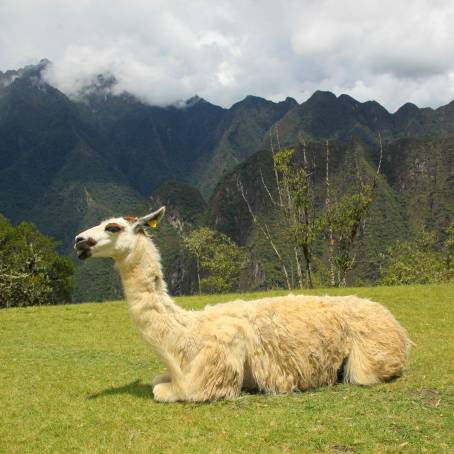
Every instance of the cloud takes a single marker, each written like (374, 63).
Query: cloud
(166, 51)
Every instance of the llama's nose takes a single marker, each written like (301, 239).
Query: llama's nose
(84, 243)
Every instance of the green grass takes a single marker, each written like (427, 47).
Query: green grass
(77, 379)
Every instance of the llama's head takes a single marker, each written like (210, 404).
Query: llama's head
(115, 237)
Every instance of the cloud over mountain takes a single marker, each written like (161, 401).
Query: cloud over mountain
(165, 51)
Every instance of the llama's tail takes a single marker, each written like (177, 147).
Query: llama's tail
(371, 362)
(358, 369)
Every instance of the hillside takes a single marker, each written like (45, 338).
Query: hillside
(243, 132)
(67, 163)
(416, 189)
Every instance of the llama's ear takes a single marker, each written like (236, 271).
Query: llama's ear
(152, 219)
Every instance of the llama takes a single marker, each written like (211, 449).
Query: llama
(274, 345)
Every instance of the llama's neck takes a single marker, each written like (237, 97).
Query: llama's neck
(158, 318)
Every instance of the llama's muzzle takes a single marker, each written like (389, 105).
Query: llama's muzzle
(83, 247)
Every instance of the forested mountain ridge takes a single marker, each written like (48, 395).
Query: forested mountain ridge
(415, 190)
(66, 163)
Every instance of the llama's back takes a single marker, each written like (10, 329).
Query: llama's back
(375, 344)
(306, 338)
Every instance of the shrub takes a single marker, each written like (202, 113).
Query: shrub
(31, 271)
(415, 262)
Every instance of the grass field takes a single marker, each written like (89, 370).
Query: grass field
(77, 379)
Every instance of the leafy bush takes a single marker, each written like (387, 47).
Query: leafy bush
(419, 261)
(31, 271)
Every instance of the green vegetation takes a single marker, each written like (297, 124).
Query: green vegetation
(328, 218)
(76, 378)
(31, 271)
(218, 258)
(308, 220)
(419, 261)
(297, 204)
(346, 219)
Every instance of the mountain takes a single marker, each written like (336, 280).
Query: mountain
(152, 144)
(243, 131)
(421, 172)
(67, 163)
(325, 116)
(416, 188)
(229, 213)
(52, 170)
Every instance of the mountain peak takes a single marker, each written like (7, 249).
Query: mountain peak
(31, 72)
(196, 99)
(34, 70)
(44, 62)
(347, 99)
(407, 109)
(374, 107)
(289, 101)
(252, 99)
(322, 96)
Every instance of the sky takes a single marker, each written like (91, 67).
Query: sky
(167, 51)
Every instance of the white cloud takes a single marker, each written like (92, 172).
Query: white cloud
(165, 51)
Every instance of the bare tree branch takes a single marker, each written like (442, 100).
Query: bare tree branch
(381, 154)
(266, 232)
(330, 226)
(266, 188)
(276, 174)
(277, 138)
(377, 173)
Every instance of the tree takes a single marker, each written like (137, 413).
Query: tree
(219, 260)
(307, 219)
(196, 242)
(296, 206)
(345, 219)
(345, 222)
(31, 271)
(297, 203)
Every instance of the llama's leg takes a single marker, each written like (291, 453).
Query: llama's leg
(167, 392)
(163, 378)
(216, 373)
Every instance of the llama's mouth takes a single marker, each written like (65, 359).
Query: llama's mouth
(83, 247)
(83, 254)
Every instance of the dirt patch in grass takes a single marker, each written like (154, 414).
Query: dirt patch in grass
(341, 448)
(427, 396)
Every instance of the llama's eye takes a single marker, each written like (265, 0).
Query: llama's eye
(113, 228)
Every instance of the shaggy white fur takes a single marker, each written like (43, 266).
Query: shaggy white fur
(274, 345)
